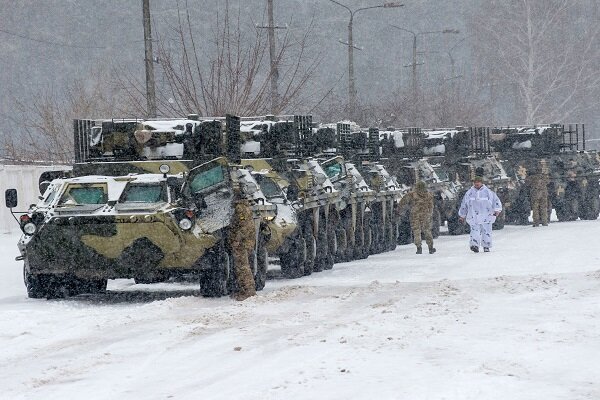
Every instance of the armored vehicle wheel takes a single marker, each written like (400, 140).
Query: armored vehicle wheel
(454, 225)
(519, 210)
(435, 223)
(332, 244)
(215, 280)
(568, 210)
(37, 285)
(311, 253)
(341, 244)
(292, 263)
(364, 246)
(378, 238)
(590, 206)
(499, 224)
(404, 231)
(311, 249)
(262, 263)
(331, 252)
(322, 248)
(391, 239)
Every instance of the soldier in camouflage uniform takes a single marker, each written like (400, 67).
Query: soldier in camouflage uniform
(242, 239)
(420, 202)
(538, 196)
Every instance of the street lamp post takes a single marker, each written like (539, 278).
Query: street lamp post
(351, 47)
(453, 75)
(414, 64)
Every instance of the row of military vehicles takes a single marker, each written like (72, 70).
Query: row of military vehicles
(152, 200)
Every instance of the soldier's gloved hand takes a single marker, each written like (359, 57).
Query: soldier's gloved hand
(461, 219)
(496, 213)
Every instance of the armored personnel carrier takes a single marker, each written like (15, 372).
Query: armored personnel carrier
(351, 209)
(280, 152)
(88, 229)
(363, 148)
(125, 214)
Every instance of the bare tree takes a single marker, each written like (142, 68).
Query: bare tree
(231, 72)
(541, 54)
(42, 127)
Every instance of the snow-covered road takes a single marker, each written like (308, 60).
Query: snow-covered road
(522, 322)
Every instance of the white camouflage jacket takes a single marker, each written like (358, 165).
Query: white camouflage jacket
(479, 206)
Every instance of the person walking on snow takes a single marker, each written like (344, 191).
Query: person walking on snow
(420, 202)
(480, 206)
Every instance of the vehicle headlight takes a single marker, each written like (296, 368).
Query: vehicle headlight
(185, 224)
(164, 169)
(29, 228)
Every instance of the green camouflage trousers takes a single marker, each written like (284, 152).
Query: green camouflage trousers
(243, 272)
(539, 206)
(421, 225)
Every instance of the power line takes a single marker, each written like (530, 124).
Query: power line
(49, 42)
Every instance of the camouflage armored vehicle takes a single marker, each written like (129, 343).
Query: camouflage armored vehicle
(279, 151)
(298, 234)
(364, 149)
(98, 225)
(86, 230)
(350, 211)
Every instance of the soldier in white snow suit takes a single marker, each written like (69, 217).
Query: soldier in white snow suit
(479, 208)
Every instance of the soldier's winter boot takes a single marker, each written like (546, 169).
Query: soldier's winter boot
(431, 250)
(486, 249)
(419, 250)
(243, 295)
(475, 249)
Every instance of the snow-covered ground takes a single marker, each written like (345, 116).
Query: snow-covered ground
(522, 322)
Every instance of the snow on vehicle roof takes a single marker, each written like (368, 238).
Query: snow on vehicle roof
(177, 125)
(439, 134)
